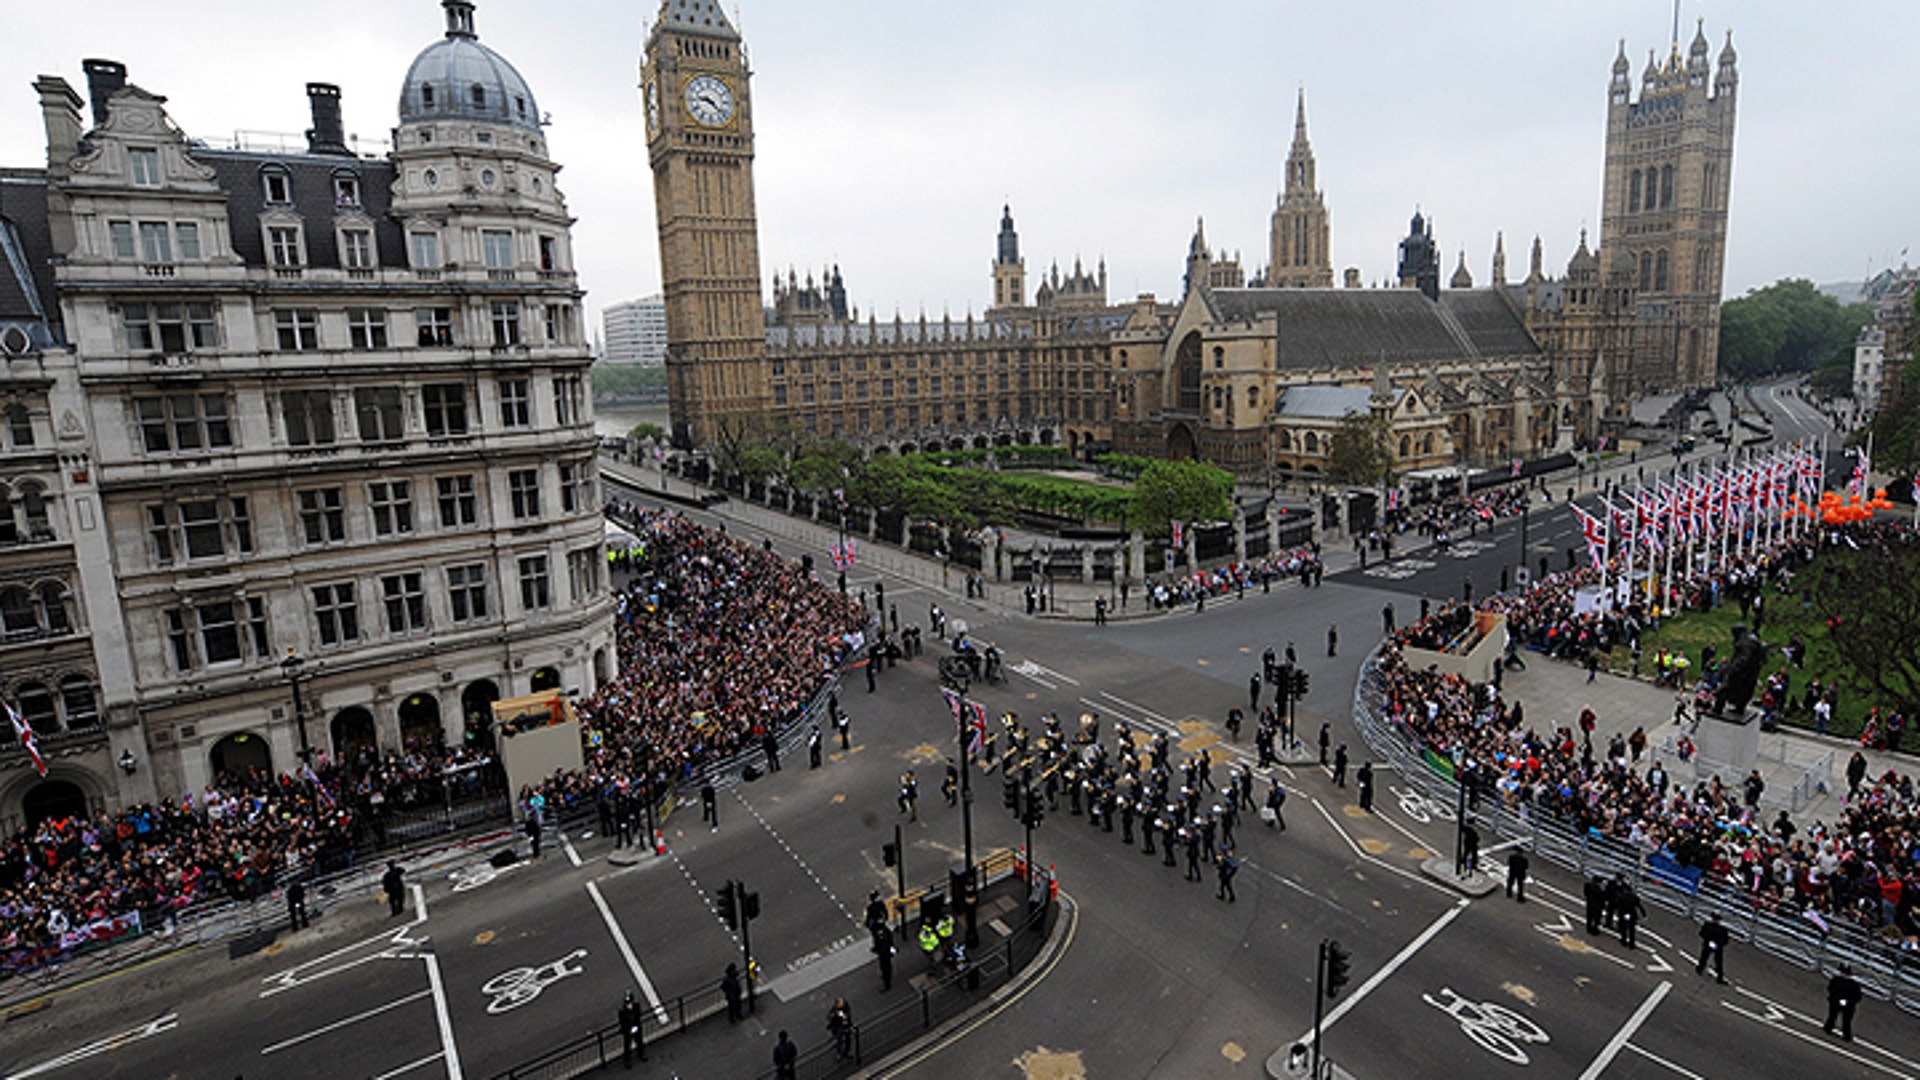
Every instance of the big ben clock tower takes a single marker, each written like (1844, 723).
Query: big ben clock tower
(699, 116)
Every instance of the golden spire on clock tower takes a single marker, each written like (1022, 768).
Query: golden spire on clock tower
(694, 91)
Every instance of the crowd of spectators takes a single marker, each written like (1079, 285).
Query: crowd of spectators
(232, 840)
(1863, 867)
(1176, 590)
(720, 643)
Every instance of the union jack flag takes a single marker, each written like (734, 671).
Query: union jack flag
(1857, 486)
(844, 553)
(976, 727)
(1179, 534)
(1595, 535)
(24, 732)
(955, 704)
(1393, 498)
(1517, 463)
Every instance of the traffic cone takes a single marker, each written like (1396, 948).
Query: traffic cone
(1053, 884)
(659, 842)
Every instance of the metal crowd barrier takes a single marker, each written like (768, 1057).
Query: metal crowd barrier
(1808, 940)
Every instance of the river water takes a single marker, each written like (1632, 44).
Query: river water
(617, 420)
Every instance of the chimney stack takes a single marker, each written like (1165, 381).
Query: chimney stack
(327, 135)
(1352, 277)
(104, 79)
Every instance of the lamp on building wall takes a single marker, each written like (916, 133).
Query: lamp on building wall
(127, 763)
(291, 668)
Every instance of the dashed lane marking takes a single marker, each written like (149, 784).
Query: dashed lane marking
(795, 856)
(101, 1046)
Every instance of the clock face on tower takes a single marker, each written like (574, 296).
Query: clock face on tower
(709, 101)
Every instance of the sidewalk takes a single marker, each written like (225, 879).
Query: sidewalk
(1553, 693)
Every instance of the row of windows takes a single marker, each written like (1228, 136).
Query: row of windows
(182, 327)
(190, 530)
(23, 513)
(221, 631)
(16, 423)
(44, 610)
(198, 423)
(76, 708)
(833, 365)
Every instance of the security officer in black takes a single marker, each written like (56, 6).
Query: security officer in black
(1631, 910)
(1713, 948)
(631, 1037)
(813, 747)
(1596, 896)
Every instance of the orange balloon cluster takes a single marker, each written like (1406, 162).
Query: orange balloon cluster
(1837, 509)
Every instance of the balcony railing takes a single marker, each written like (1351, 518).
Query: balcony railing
(159, 269)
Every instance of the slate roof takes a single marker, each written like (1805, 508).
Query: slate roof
(26, 255)
(697, 16)
(1360, 327)
(1323, 402)
(239, 175)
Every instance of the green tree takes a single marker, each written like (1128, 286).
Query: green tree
(1359, 453)
(1786, 327)
(646, 431)
(1870, 599)
(1169, 491)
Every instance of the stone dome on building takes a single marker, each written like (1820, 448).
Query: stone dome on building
(457, 78)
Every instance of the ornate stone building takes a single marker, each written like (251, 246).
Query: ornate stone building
(1669, 168)
(1300, 251)
(1465, 375)
(325, 473)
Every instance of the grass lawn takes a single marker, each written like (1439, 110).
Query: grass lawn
(1693, 630)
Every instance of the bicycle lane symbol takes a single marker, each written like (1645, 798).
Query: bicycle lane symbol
(518, 986)
(1499, 1030)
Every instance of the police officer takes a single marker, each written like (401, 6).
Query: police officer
(730, 989)
(296, 906)
(1517, 866)
(1595, 892)
(1713, 946)
(631, 1038)
(1365, 777)
(394, 883)
(813, 747)
(1340, 766)
(909, 796)
(1843, 996)
(840, 722)
(883, 949)
(1630, 912)
(1276, 800)
(709, 806)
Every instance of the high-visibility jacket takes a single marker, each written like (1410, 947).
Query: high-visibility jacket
(945, 927)
(929, 941)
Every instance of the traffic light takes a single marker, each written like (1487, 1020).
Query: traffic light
(729, 911)
(1339, 968)
(1300, 682)
(749, 903)
(1010, 792)
(1035, 812)
(889, 855)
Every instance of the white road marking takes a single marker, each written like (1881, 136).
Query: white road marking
(1141, 709)
(101, 1046)
(448, 1048)
(1393, 965)
(1381, 863)
(795, 856)
(338, 1024)
(410, 1066)
(567, 843)
(522, 985)
(1664, 1063)
(626, 951)
(1619, 1040)
(1778, 1010)
(395, 942)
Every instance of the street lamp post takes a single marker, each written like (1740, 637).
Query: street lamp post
(966, 814)
(291, 668)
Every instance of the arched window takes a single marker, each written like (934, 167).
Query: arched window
(1253, 398)
(1286, 439)
(17, 617)
(1219, 358)
(1646, 271)
(1660, 271)
(77, 701)
(1633, 198)
(1187, 373)
(1406, 446)
(1216, 399)
(426, 96)
(53, 608)
(1666, 186)
(1426, 443)
(19, 425)
(479, 97)
(1313, 443)
(9, 526)
(36, 708)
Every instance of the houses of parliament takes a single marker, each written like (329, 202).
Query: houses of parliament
(1251, 371)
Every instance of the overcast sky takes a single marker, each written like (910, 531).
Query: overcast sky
(890, 133)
